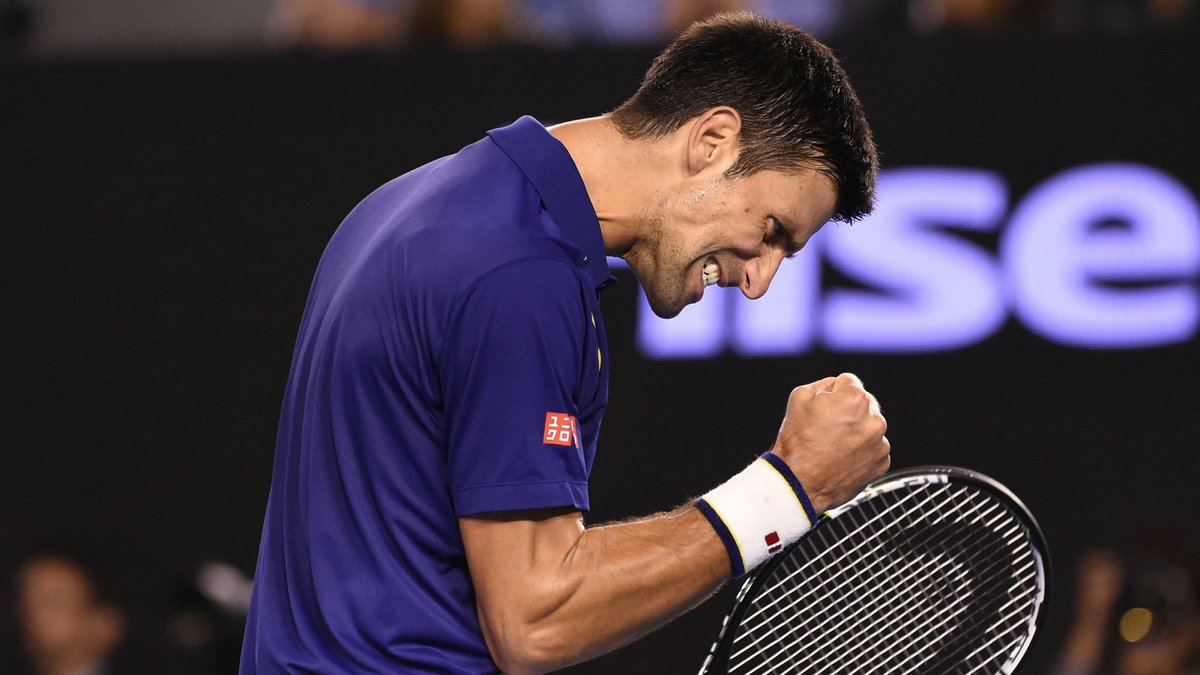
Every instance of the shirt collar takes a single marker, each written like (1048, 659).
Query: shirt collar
(549, 167)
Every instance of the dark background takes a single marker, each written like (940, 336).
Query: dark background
(161, 222)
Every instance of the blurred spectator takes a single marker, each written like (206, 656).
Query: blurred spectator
(361, 25)
(69, 623)
(562, 22)
(336, 25)
(819, 17)
(465, 24)
(1132, 15)
(1137, 613)
(346, 25)
(978, 16)
(1171, 11)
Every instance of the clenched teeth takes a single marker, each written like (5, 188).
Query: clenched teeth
(712, 273)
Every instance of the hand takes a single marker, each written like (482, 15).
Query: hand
(832, 438)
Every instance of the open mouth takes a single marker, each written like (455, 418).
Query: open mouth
(711, 272)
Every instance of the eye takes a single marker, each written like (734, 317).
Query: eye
(780, 234)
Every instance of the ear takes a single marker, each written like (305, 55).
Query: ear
(713, 140)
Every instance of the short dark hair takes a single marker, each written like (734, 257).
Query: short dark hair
(797, 107)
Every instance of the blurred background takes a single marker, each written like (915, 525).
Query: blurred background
(1024, 302)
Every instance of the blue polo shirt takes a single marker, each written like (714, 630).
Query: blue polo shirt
(451, 361)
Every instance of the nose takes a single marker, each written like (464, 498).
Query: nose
(759, 272)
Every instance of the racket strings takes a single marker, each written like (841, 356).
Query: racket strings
(952, 656)
(831, 573)
(1007, 627)
(1012, 593)
(829, 620)
(826, 578)
(966, 629)
(826, 548)
(891, 662)
(1003, 628)
(895, 628)
(871, 595)
(917, 659)
(866, 599)
(798, 660)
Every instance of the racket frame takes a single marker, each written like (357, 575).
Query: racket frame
(717, 661)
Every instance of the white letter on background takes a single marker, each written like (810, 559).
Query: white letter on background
(1058, 259)
(932, 290)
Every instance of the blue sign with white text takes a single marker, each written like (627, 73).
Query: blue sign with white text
(1101, 256)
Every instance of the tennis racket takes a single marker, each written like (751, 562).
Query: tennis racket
(929, 570)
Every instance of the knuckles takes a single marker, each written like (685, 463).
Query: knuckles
(853, 394)
(885, 448)
(876, 425)
(849, 380)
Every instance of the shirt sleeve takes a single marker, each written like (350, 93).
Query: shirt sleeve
(511, 370)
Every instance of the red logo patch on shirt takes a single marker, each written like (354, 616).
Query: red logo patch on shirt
(560, 430)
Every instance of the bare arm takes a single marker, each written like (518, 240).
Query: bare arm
(551, 593)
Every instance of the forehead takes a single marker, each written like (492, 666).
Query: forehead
(803, 196)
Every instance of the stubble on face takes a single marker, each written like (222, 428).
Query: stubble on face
(664, 286)
(662, 261)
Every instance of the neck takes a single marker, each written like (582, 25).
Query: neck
(622, 176)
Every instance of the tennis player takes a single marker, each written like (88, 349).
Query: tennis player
(442, 412)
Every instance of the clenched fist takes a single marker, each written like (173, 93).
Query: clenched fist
(832, 437)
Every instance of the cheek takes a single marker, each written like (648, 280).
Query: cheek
(714, 201)
(744, 237)
(704, 198)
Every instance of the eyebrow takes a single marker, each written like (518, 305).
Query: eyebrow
(789, 226)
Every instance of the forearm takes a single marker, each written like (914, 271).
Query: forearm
(550, 593)
(614, 584)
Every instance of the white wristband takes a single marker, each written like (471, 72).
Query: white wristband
(758, 512)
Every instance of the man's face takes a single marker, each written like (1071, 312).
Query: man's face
(718, 231)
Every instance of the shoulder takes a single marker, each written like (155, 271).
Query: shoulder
(529, 301)
(478, 182)
(457, 219)
(528, 281)
(464, 223)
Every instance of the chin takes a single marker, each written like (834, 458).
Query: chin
(666, 312)
(666, 309)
